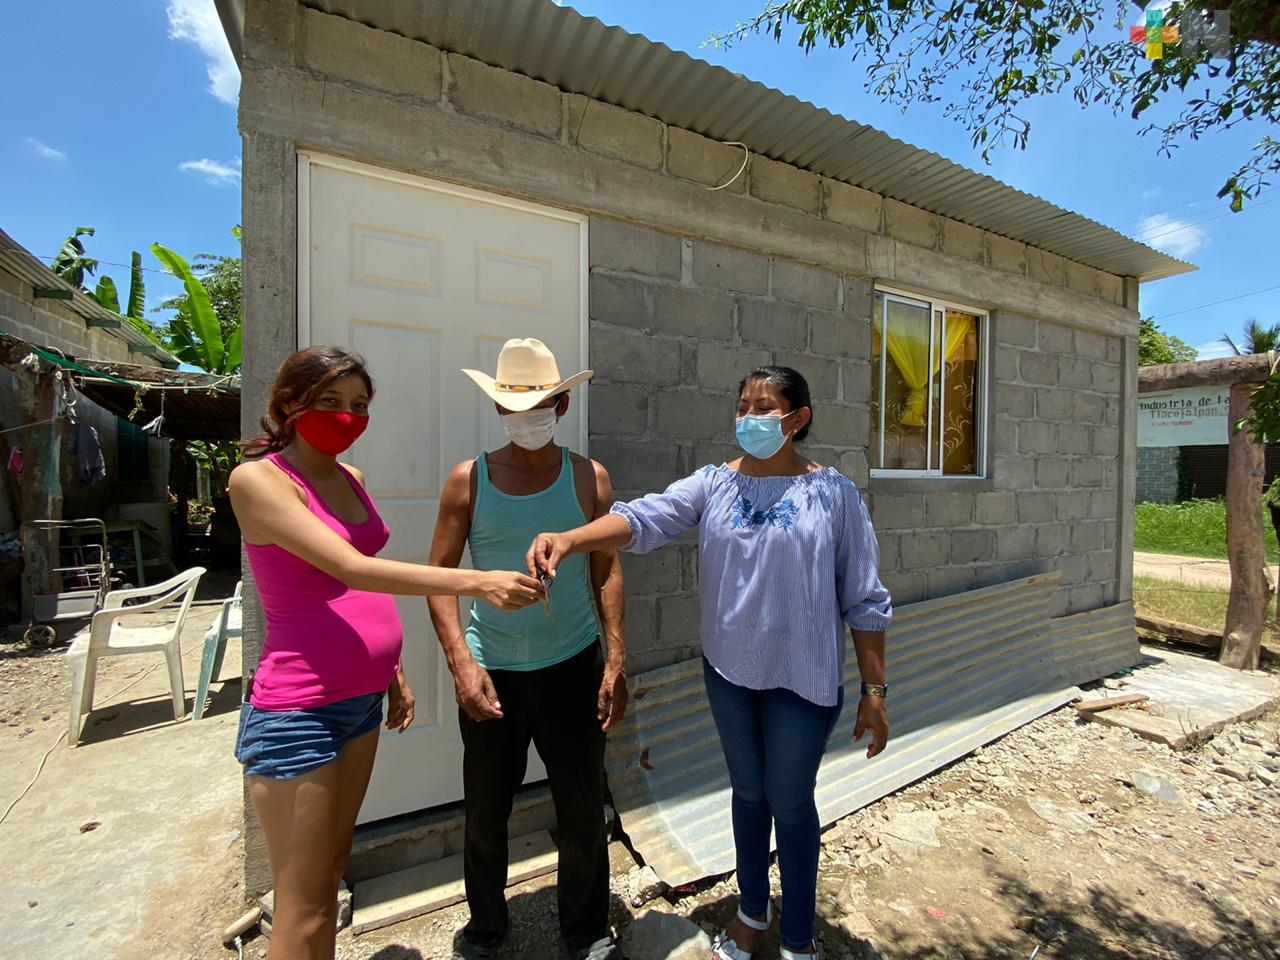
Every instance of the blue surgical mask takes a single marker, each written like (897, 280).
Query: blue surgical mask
(760, 436)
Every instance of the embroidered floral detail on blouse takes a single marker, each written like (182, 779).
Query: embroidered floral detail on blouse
(745, 516)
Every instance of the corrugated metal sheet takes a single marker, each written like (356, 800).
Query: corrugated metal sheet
(18, 261)
(1095, 643)
(582, 55)
(965, 669)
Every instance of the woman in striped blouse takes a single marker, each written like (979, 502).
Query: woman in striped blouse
(786, 558)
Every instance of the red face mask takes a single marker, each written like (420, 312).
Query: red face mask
(330, 431)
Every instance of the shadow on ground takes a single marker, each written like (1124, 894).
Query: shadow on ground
(127, 717)
(1101, 927)
(397, 952)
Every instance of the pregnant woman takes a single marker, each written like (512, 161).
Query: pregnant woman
(309, 723)
(786, 559)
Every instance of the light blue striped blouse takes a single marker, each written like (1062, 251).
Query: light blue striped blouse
(783, 564)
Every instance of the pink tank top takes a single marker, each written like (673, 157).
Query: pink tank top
(325, 642)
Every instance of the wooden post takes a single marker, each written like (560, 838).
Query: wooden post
(1246, 553)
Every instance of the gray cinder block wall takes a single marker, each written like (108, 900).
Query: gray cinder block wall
(1157, 474)
(691, 287)
(676, 322)
(51, 323)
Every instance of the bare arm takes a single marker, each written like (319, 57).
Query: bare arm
(869, 646)
(269, 510)
(606, 584)
(473, 686)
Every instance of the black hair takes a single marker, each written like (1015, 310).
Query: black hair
(791, 384)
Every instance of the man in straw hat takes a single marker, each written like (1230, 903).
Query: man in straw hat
(538, 673)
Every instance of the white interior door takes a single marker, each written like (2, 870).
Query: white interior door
(423, 279)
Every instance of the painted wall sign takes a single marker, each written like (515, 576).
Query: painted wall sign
(1189, 417)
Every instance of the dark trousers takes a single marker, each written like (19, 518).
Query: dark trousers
(556, 708)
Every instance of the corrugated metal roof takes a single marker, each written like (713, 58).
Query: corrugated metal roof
(200, 413)
(18, 261)
(965, 669)
(582, 55)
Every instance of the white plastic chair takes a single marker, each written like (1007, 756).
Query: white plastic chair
(228, 624)
(107, 637)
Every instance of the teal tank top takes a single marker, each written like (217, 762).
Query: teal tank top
(502, 527)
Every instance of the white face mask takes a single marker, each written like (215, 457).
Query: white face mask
(531, 429)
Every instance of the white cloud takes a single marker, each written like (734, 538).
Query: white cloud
(1213, 350)
(196, 21)
(214, 172)
(1175, 237)
(44, 150)
(1152, 192)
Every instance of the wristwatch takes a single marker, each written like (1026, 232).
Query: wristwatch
(875, 689)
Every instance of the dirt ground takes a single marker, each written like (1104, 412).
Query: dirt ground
(129, 845)
(1071, 837)
(1078, 839)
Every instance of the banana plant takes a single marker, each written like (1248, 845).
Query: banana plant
(71, 264)
(108, 296)
(195, 335)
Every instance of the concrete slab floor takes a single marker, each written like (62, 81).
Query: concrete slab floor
(128, 845)
(1191, 697)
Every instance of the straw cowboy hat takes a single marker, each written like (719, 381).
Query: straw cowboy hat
(527, 374)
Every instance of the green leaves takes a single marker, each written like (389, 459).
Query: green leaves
(71, 264)
(196, 327)
(1156, 346)
(105, 294)
(137, 289)
(1263, 422)
(985, 58)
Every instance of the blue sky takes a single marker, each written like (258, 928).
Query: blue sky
(126, 122)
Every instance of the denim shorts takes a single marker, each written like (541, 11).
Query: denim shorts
(280, 744)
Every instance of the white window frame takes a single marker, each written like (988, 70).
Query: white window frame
(934, 304)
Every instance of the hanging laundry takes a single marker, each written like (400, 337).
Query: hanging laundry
(90, 467)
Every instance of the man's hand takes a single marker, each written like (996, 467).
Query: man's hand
(400, 703)
(611, 703)
(474, 690)
(872, 717)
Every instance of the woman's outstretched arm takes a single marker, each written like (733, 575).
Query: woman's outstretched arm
(267, 507)
(548, 549)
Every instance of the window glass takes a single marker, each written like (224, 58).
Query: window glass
(959, 394)
(926, 374)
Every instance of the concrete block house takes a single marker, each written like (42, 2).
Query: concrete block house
(424, 180)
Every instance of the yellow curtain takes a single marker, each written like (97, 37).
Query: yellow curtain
(910, 353)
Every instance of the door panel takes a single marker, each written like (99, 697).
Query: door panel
(424, 279)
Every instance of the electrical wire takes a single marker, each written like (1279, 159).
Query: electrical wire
(745, 159)
(1186, 224)
(1214, 303)
(111, 263)
(33, 423)
(1188, 203)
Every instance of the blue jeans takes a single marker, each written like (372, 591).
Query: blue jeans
(282, 744)
(773, 741)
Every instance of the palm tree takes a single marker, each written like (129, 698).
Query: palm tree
(1257, 339)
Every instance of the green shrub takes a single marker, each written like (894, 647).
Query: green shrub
(1194, 528)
